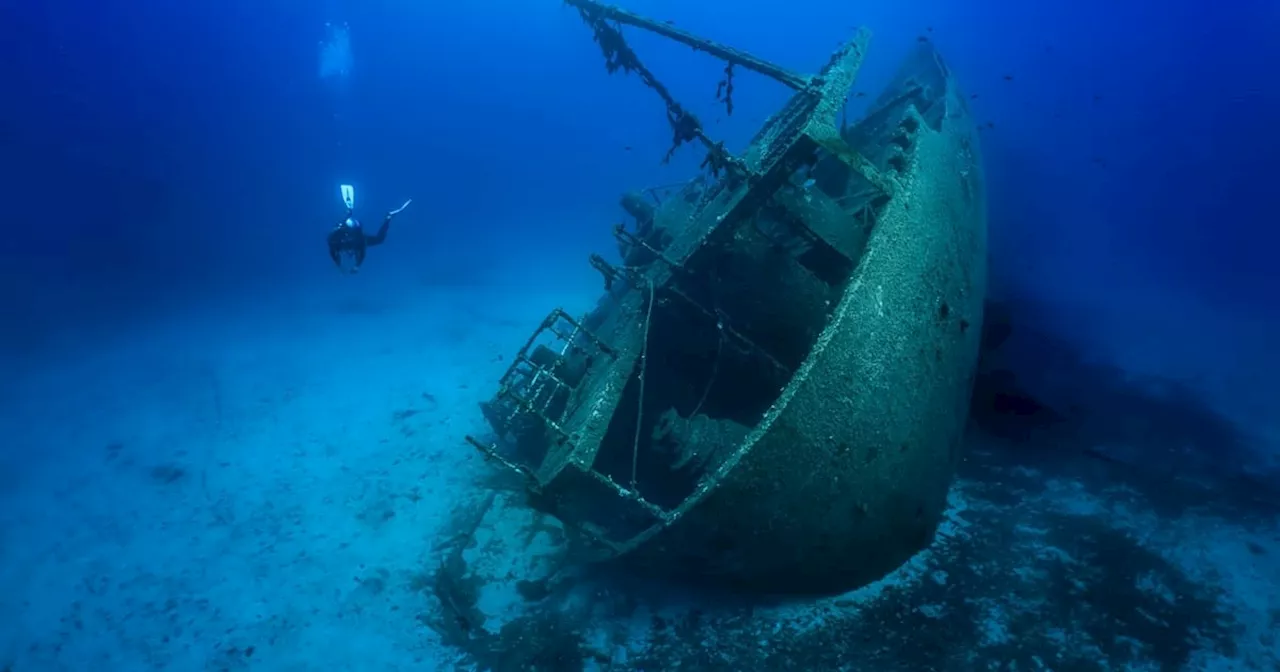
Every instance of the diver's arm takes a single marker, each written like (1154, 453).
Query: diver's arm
(387, 222)
(381, 235)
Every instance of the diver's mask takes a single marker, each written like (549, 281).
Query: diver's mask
(351, 222)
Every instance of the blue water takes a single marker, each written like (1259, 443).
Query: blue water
(219, 452)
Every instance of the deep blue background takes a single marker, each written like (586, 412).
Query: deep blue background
(158, 152)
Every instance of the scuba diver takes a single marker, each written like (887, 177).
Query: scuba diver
(348, 237)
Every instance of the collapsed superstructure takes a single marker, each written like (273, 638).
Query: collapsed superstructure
(773, 389)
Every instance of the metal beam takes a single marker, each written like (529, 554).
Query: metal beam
(724, 53)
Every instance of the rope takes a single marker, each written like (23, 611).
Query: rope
(715, 370)
(644, 358)
(720, 338)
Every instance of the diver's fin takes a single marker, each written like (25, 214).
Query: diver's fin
(397, 210)
(349, 196)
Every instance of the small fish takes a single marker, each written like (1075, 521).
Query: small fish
(1008, 78)
(808, 184)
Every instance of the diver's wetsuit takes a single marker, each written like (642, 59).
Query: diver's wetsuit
(352, 239)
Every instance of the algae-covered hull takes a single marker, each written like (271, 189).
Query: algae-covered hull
(773, 389)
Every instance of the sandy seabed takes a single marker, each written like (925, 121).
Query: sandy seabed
(265, 488)
(245, 488)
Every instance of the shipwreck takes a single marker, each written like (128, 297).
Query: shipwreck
(772, 391)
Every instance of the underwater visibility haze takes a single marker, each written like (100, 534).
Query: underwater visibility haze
(560, 335)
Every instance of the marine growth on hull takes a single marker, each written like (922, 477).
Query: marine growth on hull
(624, 419)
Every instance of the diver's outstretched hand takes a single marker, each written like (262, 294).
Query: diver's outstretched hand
(397, 211)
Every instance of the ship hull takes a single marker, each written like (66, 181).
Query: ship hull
(848, 475)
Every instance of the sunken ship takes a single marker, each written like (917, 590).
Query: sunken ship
(772, 391)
